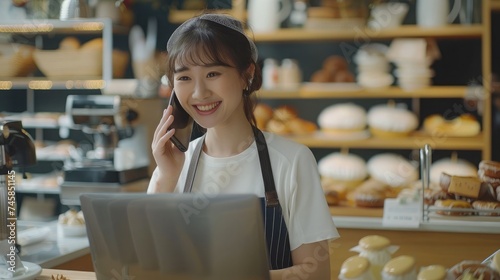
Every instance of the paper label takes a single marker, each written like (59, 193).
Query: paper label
(397, 214)
(465, 186)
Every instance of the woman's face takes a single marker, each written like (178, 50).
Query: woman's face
(210, 93)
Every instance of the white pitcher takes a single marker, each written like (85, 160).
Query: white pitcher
(435, 13)
(266, 15)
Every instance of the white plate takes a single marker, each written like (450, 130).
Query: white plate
(32, 271)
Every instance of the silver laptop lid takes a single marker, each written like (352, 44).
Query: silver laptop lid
(175, 236)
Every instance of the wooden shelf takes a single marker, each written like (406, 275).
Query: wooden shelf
(495, 5)
(415, 141)
(309, 92)
(42, 83)
(405, 31)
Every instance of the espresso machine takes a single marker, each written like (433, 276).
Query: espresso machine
(16, 150)
(118, 160)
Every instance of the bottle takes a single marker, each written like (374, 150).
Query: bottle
(270, 73)
(400, 268)
(290, 74)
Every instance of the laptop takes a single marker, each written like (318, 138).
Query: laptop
(175, 236)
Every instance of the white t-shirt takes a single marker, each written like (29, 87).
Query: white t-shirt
(296, 177)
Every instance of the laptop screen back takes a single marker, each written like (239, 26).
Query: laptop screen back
(175, 236)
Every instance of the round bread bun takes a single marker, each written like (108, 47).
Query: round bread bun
(301, 127)
(371, 193)
(69, 43)
(322, 76)
(392, 169)
(277, 126)
(465, 125)
(263, 113)
(390, 121)
(453, 204)
(342, 118)
(343, 76)
(473, 270)
(335, 63)
(332, 198)
(374, 242)
(285, 113)
(92, 45)
(451, 166)
(342, 167)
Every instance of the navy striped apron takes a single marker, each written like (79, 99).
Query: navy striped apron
(278, 242)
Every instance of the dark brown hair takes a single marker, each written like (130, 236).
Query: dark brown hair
(202, 41)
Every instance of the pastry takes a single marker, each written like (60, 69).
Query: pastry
(432, 272)
(335, 63)
(451, 166)
(391, 121)
(465, 125)
(392, 169)
(321, 76)
(371, 193)
(486, 205)
(453, 204)
(355, 267)
(346, 169)
(277, 126)
(332, 198)
(285, 113)
(69, 43)
(343, 76)
(489, 172)
(299, 126)
(92, 45)
(263, 113)
(472, 270)
(400, 268)
(342, 119)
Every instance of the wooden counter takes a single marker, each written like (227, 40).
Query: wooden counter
(50, 274)
(428, 248)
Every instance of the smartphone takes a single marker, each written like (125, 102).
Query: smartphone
(183, 124)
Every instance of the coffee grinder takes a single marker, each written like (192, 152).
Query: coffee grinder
(118, 161)
(16, 150)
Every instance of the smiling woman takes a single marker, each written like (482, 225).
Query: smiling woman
(212, 66)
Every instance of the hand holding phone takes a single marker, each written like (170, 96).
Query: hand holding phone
(183, 124)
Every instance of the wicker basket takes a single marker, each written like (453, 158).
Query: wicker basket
(20, 63)
(69, 64)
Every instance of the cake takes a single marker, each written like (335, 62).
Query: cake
(391, 121)
(451, 166)
(392, 169)
(343, 120)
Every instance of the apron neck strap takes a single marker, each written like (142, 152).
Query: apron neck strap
(271, 195)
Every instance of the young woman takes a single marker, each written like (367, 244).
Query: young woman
(213, 71)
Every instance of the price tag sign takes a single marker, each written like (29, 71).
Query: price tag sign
(398, 214)
(466, 186)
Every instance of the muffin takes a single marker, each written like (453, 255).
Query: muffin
(378, 250)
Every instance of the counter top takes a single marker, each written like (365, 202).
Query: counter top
(69, 274)
(56, 249)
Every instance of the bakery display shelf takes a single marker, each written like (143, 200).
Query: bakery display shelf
(414, 141)
(495, 5)
(43, 83)
(353, 211)
(405, 31)
(341, 90)
(82, 26)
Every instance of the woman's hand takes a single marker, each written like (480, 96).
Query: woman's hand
(168, 158)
